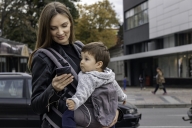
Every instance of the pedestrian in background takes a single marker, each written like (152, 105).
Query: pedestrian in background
(141, 81)
(160, 80)
(125, 83)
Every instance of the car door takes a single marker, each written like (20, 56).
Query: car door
(33, 118)
(12, 103)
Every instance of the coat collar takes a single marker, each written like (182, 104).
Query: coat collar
(59, 49)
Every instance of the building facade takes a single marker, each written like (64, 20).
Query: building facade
(158, 33)
(13, 56)
(117, 66)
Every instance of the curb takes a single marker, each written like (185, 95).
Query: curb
(164, 105)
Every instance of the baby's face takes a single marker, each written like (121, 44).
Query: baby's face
(88, 62)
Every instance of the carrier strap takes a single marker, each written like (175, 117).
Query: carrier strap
(56, 61)
(72, 70)
(54, 118)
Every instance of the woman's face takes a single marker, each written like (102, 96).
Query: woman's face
(60, 29)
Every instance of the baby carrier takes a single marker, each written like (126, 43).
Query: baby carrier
(55, 116)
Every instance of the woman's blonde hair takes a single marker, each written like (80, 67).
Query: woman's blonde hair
(44, 39)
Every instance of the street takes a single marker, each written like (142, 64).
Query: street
(164, 118)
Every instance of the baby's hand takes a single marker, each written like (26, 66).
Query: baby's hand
(70, 104)
(124, 102)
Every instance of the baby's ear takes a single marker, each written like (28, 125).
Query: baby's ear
(99, 64)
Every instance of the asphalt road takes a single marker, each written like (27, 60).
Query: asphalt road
(164, 118)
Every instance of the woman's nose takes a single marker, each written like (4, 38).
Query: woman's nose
(60, 31)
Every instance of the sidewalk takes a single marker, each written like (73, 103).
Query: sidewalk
(176, 97)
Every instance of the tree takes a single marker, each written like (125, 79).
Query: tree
(19, 18)
(6, 8)
(97, 23)
(120, 34)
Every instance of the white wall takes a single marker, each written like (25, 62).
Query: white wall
(169, 16)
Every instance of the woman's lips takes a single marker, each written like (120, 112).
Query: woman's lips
(61, 38)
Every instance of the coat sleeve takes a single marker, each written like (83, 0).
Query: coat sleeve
(121, 95)
(85, 88)
(42, 91)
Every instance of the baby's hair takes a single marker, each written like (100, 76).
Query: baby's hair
(99, 51)
(159, 69)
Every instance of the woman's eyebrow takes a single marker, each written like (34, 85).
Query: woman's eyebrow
(65, 23)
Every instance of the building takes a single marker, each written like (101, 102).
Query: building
(117, 66)
(13, 56)
(158, 33)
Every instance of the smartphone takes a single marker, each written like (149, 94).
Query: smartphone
(63, 70)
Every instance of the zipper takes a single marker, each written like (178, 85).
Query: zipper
(48, 106)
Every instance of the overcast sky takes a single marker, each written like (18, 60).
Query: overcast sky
(117, 3)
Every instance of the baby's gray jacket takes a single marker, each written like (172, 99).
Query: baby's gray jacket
(89, 81)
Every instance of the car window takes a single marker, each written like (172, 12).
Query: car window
(30, 86)
(11, 88)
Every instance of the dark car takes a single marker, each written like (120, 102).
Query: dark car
(131, 116)
(15, 109)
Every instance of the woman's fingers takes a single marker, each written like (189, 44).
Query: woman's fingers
(63, 77)
(115, 119)
(66, 79)
(60, 82)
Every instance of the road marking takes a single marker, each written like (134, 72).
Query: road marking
(178, 115)
(134, 97)
(171, 100)
(131, 97)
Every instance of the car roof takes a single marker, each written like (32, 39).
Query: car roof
(14, 75)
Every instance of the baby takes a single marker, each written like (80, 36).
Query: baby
(97, 88)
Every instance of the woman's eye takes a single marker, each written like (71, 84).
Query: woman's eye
(64, 26)
(53, 28)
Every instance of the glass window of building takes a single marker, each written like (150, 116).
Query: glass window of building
(119, 67)
(3, 64)
(176, 65)
(136, 20)
(183, 65)
(190, 64)
(183, 38)
(137, 16)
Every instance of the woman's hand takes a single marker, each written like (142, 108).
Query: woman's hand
(114, 120)
(60, 82)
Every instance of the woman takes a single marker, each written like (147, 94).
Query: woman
(159, 81)
(55, 30)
